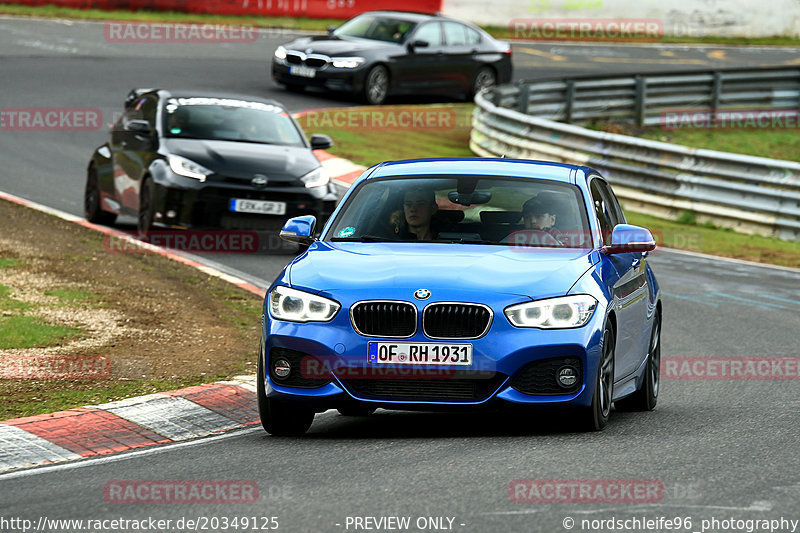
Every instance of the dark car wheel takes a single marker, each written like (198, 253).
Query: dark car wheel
(596, 415)
(280, 418)
(484, 79)
(146, 200)
(376, 85)
(91, 201)
(646, 397)
(356, 410)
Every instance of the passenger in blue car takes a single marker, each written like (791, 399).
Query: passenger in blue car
(541, 214)
(414, 221)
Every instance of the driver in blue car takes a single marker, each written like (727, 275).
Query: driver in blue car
(414, 221)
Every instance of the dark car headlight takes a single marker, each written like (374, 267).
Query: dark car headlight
(316, 178)
(554, 313)
(280, 55)
(300, 306)
(188, 168)
(347, 62)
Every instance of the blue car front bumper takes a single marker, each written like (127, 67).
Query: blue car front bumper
(511, 366)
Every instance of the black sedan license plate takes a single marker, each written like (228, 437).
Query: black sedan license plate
(419, 353)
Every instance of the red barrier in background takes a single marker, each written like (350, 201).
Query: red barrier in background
(335, 9)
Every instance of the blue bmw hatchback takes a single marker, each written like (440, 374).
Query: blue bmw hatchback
(463, 283)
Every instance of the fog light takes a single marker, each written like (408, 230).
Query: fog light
(567, 376)
(281, 368)
(171, 214)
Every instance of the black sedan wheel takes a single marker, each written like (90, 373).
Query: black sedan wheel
(91, 201)
(596, 415)
(376, 85)
(484, 79)
(646, 397)
(279, 418)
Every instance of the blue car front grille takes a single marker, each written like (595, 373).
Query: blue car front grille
(438, 389)
(384, 319)
(456, 320)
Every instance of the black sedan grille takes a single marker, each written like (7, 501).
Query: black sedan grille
(443, 389)
(456, 320)
(540, 377)
(384, 319)
(316, 62)
(313, 61)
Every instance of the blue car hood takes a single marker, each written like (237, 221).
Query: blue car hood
(335, 267)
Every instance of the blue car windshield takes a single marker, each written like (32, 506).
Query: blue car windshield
(376, 28)
(465, 209)
(224, 119)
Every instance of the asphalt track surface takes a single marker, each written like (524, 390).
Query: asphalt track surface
(723, 449)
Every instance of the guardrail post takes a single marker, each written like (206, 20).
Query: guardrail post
(640, 100)
(716, 92)
(524, 98)
(570, 101)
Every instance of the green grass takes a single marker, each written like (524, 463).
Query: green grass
(7, 303)
(775, 144)
(74, 295)
(20, 331)
(9, 262)
(42, 399)
(299, 23)
(707, 239)
(446, 136)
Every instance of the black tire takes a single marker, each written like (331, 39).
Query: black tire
(91, 201)
(484, 78)
(146, 200)
(376, 85)
(646, 398)
(356, 410)
(278, 418)
(595, 417)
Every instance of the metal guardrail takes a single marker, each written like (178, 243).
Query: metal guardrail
(749, 194)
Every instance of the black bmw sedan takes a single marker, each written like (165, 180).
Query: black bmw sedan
(185, 160)
(382, 53)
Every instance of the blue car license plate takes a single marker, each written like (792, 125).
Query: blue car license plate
(419, 353)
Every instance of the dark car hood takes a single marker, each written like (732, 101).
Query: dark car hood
(242, 160)
(377, 267)
(334, 46)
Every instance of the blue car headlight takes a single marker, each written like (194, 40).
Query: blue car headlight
(554, 313)
(299, 306)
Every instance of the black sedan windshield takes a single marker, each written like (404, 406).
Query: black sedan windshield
(465, 209)
(229, 120)
(377, 28)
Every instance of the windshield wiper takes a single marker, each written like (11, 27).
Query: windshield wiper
(472, 241)
(362, 238)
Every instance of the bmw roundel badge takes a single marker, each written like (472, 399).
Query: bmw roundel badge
(422, 294)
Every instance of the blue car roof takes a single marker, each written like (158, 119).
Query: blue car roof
(479, 166)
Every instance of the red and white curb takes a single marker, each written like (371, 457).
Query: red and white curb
(116, 427)
(145, 420)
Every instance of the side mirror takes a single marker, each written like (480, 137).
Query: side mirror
(417, 44)
(331, 29)
(320, 141)
(139, 127)
(299, 230)
(626, 238)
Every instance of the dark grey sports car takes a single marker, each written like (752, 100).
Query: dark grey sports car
(190, 160)
(383, 53)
